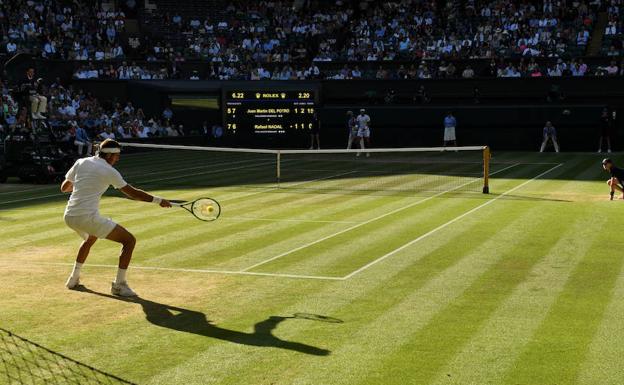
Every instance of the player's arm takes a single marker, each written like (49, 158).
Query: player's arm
(140, 195)
(67, 186)
(70, 177)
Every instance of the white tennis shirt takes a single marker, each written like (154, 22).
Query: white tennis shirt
(363, 121)
(91, 178)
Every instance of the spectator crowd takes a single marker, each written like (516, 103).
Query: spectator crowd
(270, 39)
(78, 116)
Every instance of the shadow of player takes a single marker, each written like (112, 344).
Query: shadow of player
(190, 321)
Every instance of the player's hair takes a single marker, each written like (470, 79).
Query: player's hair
(107, 147)
(607, 161)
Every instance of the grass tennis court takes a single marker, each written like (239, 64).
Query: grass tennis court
(435, 285)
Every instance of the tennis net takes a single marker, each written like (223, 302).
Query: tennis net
(25, 362)
(386, 169)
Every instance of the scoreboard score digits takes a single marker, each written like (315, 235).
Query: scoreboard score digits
(269, 112)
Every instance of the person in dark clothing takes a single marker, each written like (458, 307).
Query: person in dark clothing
(606, 124)
(29, 86)
(421, 96)
(351, 128)
(616, 182)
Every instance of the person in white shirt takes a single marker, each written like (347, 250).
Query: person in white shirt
(363, 132)
(87, 180)
(107, 133)
(144, 132)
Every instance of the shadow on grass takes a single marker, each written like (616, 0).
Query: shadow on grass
(191, 321)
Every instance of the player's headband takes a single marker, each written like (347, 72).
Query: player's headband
(110, 150)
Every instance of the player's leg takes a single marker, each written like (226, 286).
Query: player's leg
(128, 241)
(615, 184)
(544, 142)
(359, 139)
(367, 142)
(453, 137)
(554, 140)
(80, 146)
(42, 105)
(600, 144)
(83, 252)
(34, 106)
(349, 141)
(318, 141)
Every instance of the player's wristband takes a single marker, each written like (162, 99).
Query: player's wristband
(156, 200)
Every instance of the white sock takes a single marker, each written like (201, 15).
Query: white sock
(121, 276)
(76, 271)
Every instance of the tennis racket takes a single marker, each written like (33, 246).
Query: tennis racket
(204, 209)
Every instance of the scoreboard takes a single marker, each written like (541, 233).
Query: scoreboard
(265, 112)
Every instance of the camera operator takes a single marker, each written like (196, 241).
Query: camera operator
(29, 87)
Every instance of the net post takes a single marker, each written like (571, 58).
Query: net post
(279, 171)
(486, 169)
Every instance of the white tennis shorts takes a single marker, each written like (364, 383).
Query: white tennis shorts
(92, 224)
(363, 133)
(449, 134)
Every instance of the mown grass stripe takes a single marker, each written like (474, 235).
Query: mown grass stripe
(328, 250)
(486, 357)
(403, 296)
(604, 362)
(437, 341)
(346, 252)
(558, 349)
(351, 301)
(254, 236)
(108, 207)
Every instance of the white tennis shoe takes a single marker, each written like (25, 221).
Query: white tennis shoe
(122, 290)
(72, 282)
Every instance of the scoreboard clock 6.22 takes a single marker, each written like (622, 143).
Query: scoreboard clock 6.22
(265, 112)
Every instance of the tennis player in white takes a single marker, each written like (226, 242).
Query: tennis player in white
(363, 132)
(87, 181)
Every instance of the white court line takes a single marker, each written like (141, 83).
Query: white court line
(147, 181)
(264, 190)
(410, 243)
(286, 186)
(28, 190)
(131, 175)
(210, 271)
(529, 163)
(205, 172)
(314, 277)
(225, 218)
(367, 222)
(284, 220)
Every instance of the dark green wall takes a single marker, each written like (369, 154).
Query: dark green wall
(511, 114)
